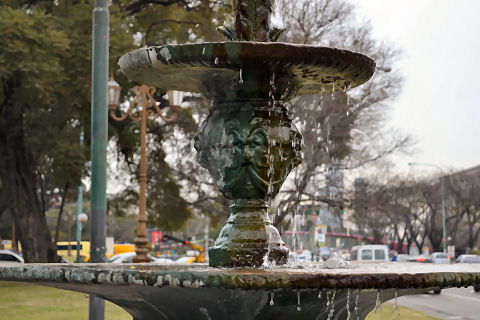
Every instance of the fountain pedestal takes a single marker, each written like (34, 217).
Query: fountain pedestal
(249, 146)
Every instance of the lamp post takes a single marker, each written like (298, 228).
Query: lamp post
(99, 136)
(142, 108)
(81, 218)
(444, 232)
(79, 209)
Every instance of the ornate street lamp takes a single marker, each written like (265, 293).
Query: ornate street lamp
(142, 107)
(113, 89)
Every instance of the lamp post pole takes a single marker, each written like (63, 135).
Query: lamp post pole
(99, 136)
(442, 179)
(79, 210)
(141, 251)
(141, 108)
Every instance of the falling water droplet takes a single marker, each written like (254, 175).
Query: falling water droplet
(332, 310)
(298, 301)
(328, 299)
(333, 90)
(348, 100)
(348, 304)
(203, 51)
(240, 80)
(196, 26)
(320, 294)
(348, 113)
(356, 302)
(395, 306)
(377, 303)
(216, 60)
(271, 299)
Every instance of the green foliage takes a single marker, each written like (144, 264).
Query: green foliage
(48, 58)
(228, 32)
(45, 70)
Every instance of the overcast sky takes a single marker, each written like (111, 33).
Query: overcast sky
(440, 41)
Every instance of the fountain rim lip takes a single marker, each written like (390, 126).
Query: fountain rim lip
(312, 67)
(200, 276)
(255, 43)
(369, 62)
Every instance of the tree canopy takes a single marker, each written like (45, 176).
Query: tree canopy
(45, 101)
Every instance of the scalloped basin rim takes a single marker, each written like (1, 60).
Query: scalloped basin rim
(358, 276)
(193, 67)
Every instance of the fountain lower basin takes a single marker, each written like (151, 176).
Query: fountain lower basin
(197, 291)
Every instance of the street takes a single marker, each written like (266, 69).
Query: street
(454, 303)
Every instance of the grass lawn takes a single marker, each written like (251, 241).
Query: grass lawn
(20, 301)
(389, 313)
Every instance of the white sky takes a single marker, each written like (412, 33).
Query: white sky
(440, 45)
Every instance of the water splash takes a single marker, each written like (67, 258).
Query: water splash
(299, 308)
(271, 299)
(335, 261)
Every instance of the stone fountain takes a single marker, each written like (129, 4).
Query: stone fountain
(248, 142)
(249, 145)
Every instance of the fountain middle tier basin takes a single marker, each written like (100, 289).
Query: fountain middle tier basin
(171, 291)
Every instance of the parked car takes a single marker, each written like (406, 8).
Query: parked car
(401, 257)
(10, 257)
(305, 256)
(440, 257)
(127, 257)
(185, 260)
(420, 258)
(470, 258)
(370, 252)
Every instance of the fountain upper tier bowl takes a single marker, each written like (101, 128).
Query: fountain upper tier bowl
(221, 67)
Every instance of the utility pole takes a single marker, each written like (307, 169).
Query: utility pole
(98, 191)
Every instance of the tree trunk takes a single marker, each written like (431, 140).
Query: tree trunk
(18, 173)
